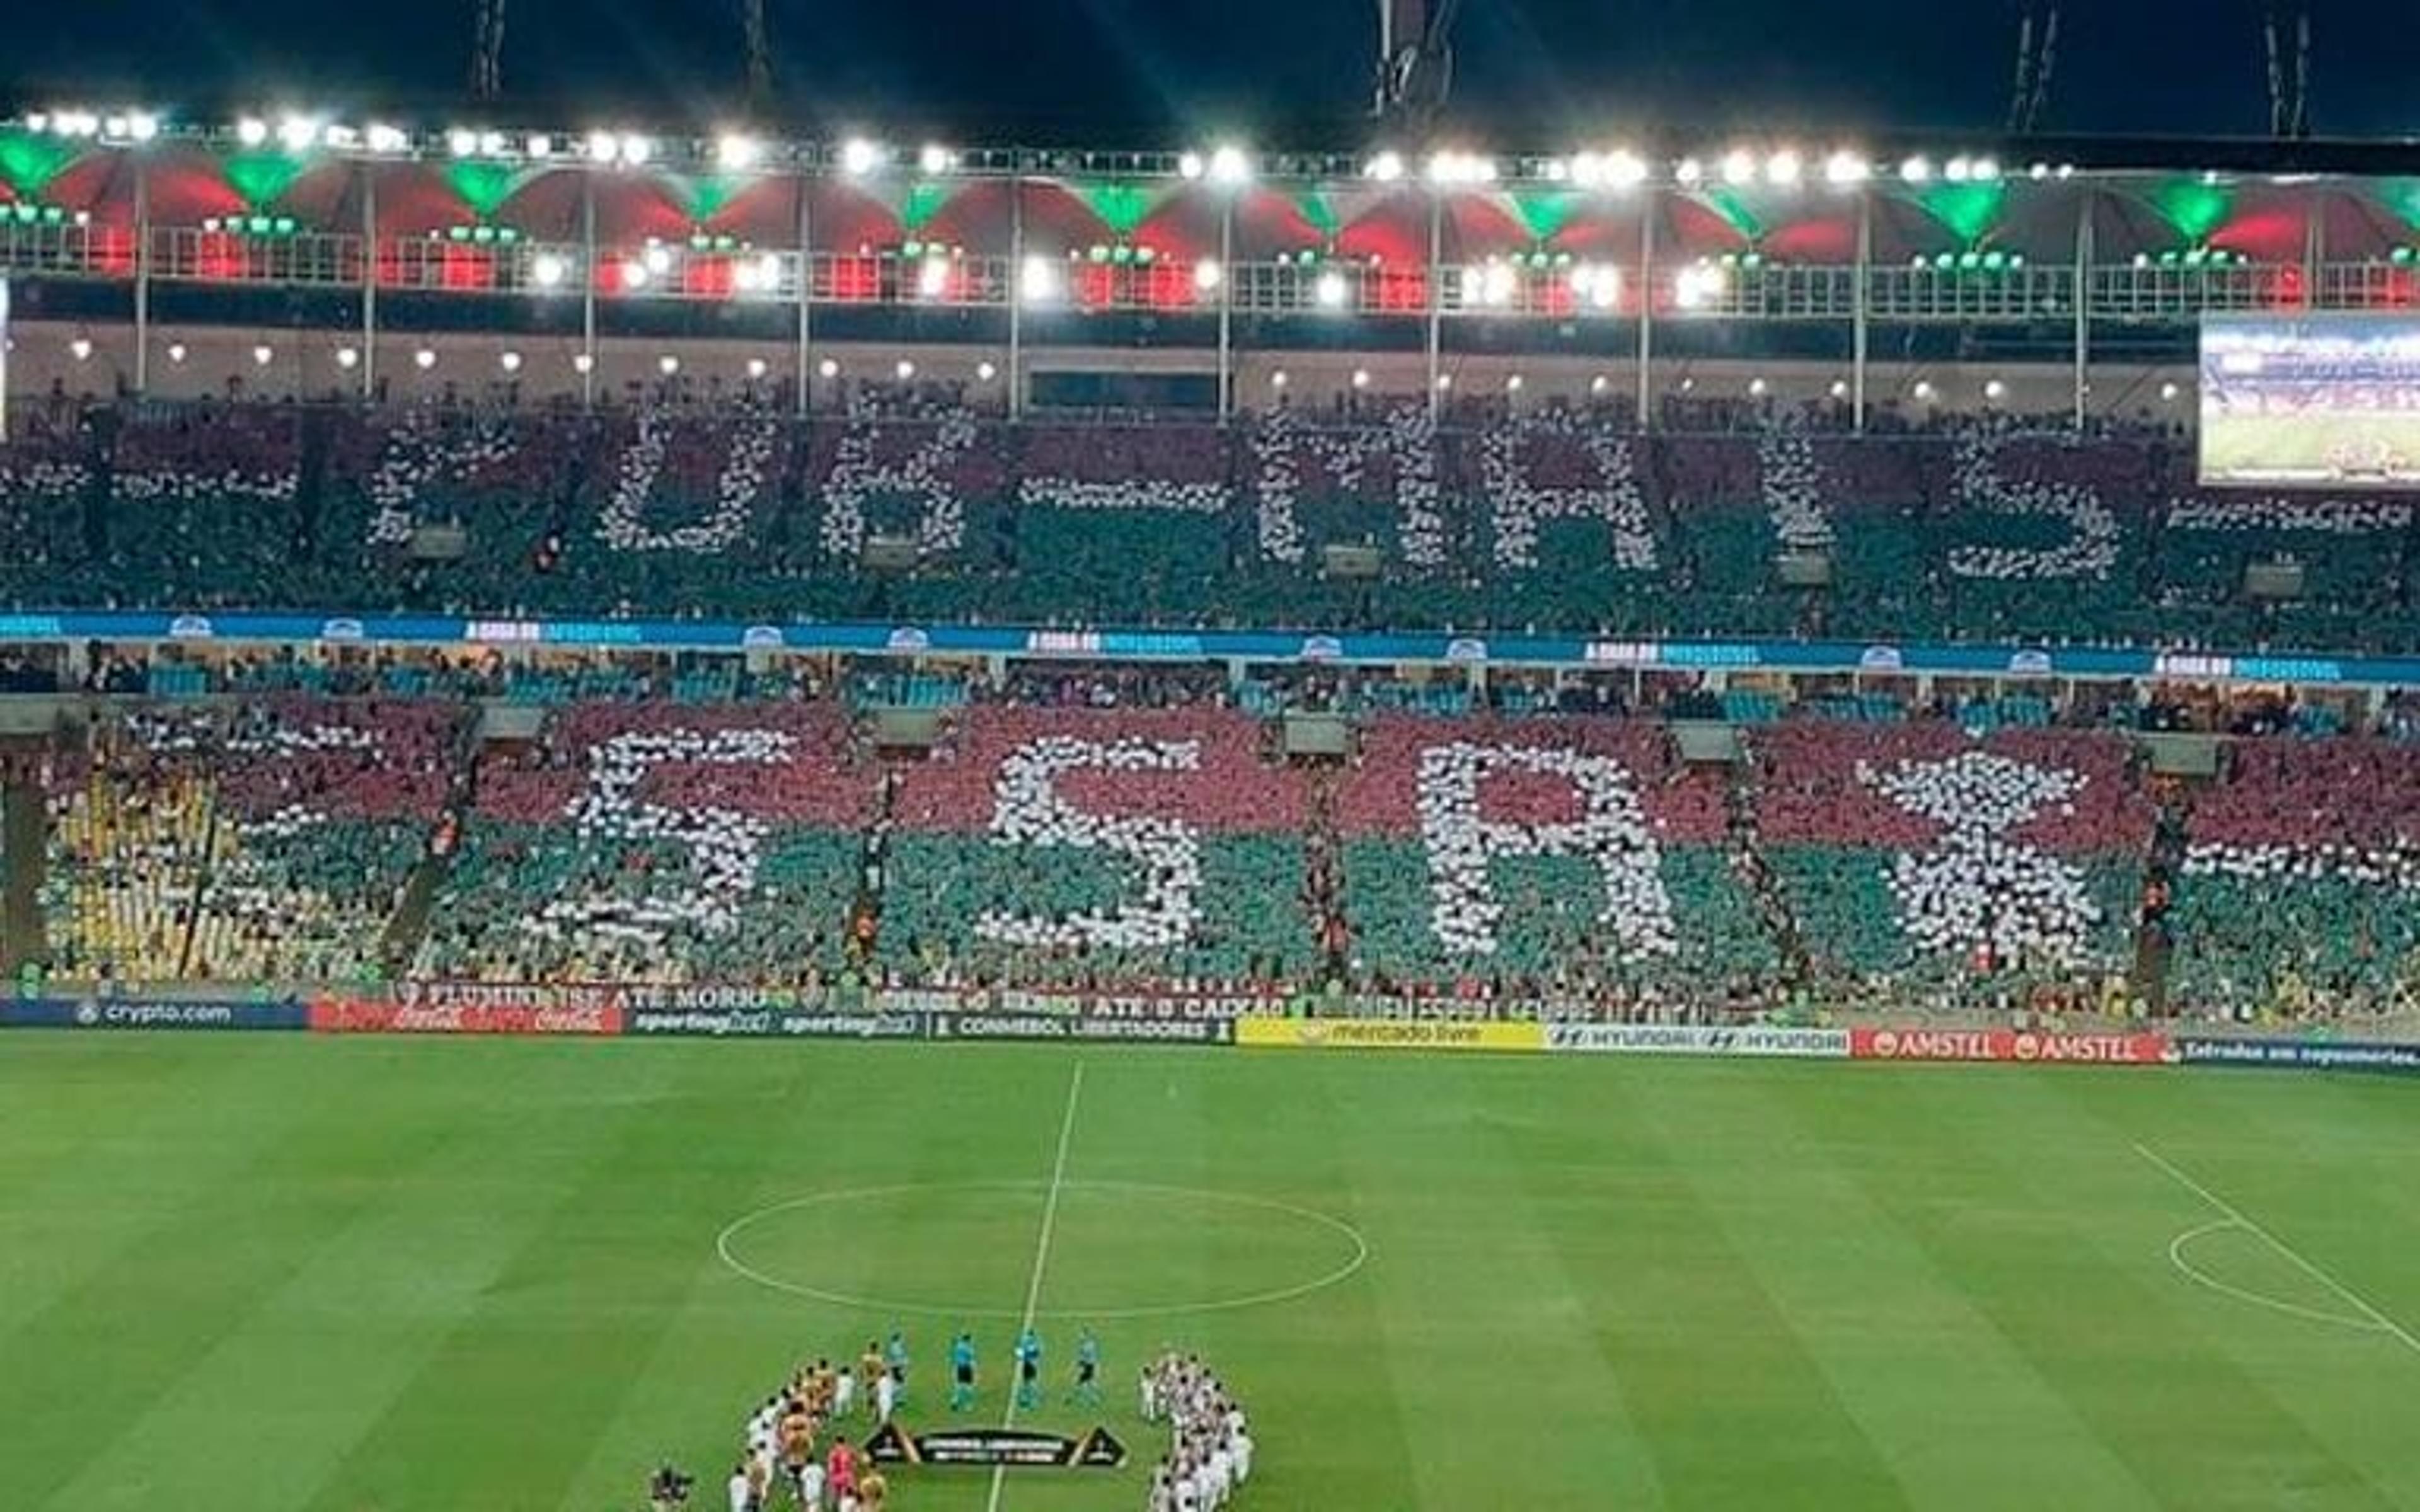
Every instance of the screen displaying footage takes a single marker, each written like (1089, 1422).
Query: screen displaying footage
(2310, 401)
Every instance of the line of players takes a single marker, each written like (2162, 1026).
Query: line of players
(1210, 1441)
(780, 1446)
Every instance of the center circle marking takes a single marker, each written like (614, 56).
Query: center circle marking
(727, 1250)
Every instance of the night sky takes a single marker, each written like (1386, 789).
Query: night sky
(1278, 72)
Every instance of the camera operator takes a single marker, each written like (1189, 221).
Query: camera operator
(668, 1487)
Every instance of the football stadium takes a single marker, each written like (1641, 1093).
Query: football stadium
(697, 813)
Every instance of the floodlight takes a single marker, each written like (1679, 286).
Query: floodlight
(1188, 164)
(1624, 170)
(1328, 288)
(1512, 385)
(1228, 166)
(1037, 281)
(933, 278)
(252, 130)
(657, 258)
(510, 361)
(1598, 284)
(1839, 388)
(935, 160)
(860, 157)
(1739, 166)
(1956, 169)
(903, 370)
(2168, 392)
(1916, 170)
(755, 367)
(548, 269)
(636, 149)
(1445, 382)
(984, 372)
(827, 368)
(1208, 275)
(1995, 390)
(262, 355)
(1757, 388)
(737, 152)
(80, 349)
(1360, 378)
(603, 147)
(1600, 384)
(423, 358)
(582, 362)
(339, 137)
(1924, 390)
(539, 145)
(1783, 167)
(347, 357)
(1278, 379)
(1688, 171)
(668, 364)
(634, 274)
(462, 142)
(1843, 169)
(176, 351)
(1385, 167)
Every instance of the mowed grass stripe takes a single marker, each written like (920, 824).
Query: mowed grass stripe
(111, 1139)
(1730, 1402)
(2068, 1260)
(1963, 1417)
(124, 1338)
(390, 1283)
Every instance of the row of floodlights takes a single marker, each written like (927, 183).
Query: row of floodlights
(1227, 164)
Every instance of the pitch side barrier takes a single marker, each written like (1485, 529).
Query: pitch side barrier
(138, 1012)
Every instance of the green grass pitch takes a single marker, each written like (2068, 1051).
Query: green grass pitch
(255, 1274)
(2310, 447)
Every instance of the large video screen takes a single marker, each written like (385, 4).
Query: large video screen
(2310, 401)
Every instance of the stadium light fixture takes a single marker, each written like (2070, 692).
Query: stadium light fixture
(464, 143)
(984, 372)
(1449, 169)
(349, 358)
(860, 157)
(538, 145)
(176, 351)
(1924, 391)
(509, 361)
(423, 358)
(252, 130)
(1957, 170)
(1758, 387)
(1994, 390)
(1916, 170)
(1387, 167)
(1839, 388)
(1445, 382)
(1739, 166)
(1188, 166)
(2168, 392)
(1688, 171)
(263, 355)
(1784, 167)
(1360, 378)
(142, 126)
(934, 160)
(1512, 383)
(582, 364)
(603, 147)
(1845, 170)
(668, 364)
(1328, 288)
(1037, 281)
(1600, 384)
(827, 368)
(298, 133)
(548, 269)
(634, 274)
(756, 368)
(1609, 170)
(1987, 170)
(1597, 285)
(1278, 379)
(737, 152)
(1228, 166)
(636, 149)
(1698, 286)
(657, 258)
(1208, 275)
(80, 349)
(933, 278)
(903, 370)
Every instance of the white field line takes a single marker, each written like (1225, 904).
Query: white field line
(1041, 1264)
(2375, 1321)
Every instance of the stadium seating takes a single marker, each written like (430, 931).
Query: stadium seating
(655, 842)
(1068, 845)
(1546, 520)
(2298, 889)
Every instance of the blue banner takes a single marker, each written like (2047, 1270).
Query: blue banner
(2019, 661)
(137, 1012)
(2300, 1054)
